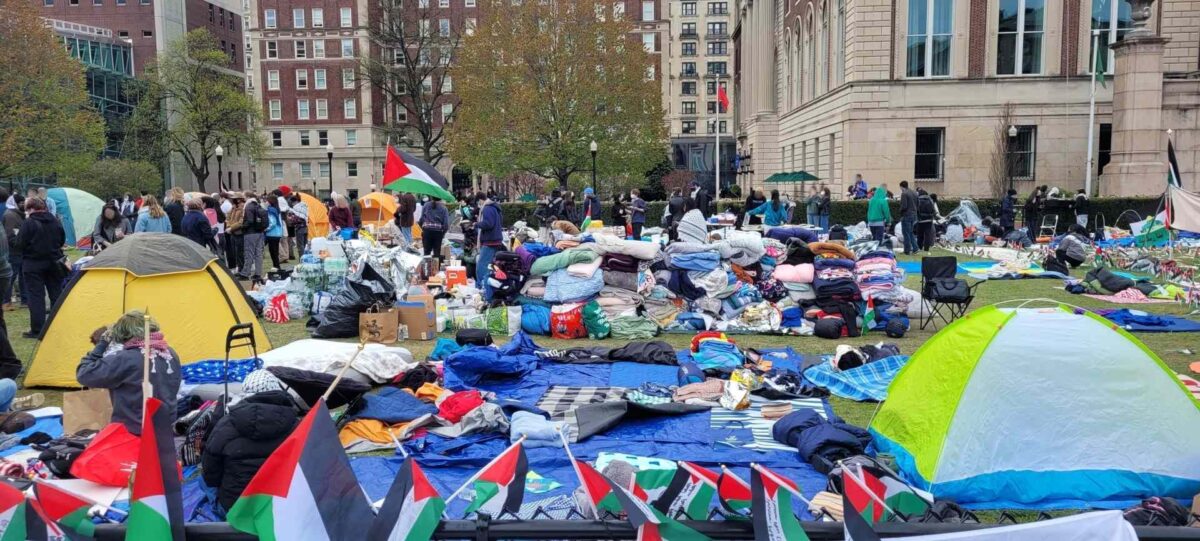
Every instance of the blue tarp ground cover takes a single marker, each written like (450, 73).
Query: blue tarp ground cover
(50, 425)
(1139, 321)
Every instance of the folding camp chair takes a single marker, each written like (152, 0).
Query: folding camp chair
(947, 296)
(1049, 226)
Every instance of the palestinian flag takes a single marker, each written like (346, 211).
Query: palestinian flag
(156, 505)
(500, 486)
(654, 484)
(596, 486)
(305, 489)
(902, 498)
(723, 98)
(13, 508)
(412, 510)
(65, 510)
(733, 492)
(404, 173)
(772, 507)
(1173, 178)
(650, 523)
(690, 492)
(869, 316)
(859, 506)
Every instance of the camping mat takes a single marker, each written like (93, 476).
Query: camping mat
(751, 419)
(914, 267)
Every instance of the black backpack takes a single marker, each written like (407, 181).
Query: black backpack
(256, 220)
(925, 209)
(838, 232)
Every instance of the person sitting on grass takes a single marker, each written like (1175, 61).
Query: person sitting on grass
(116, 364)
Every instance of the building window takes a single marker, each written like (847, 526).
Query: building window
(711, 87)
(1022, 153)
(277, 170)
(347, 48)
(423, 4)
(718, 8)
(469, 3)
(424, 29)
(273, 80)
(930, 30)
(427, 84)
(305, 169)
(689, 48)
(688, 88)
(930, 147)
(322, 109)
(318, 18)
(305, 139)
(712, 107)
(689, 126)
(444, 28)
(716, 68)
(689, 9)
(447, 112)
(447, 84)
(322, 137)
(721, 126)
(718, 29)
(302, 109)
(347, 77)
(318, 48)
(270, 19)
(323, 167)
(298, 18)
(689, 107)
(275, 109)
(351, 137)
(350, 108)
(647, 10)
(48, 3)
(147, 33)
(319, 79)
(352, 169)
(301, 79)
(469, 26)
(718, 48)
(402, 115)
(301, 48)
(689, 68)
(688, 29)
(345, 19)
(1019, 50)
(272, 49)
(648, 42)
(1113, 19)
(276, 139)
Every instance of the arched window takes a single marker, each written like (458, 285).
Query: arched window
(789, 102)
(812, 55)
(800, 69)
(826, 42)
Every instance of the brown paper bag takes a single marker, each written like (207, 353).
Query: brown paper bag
(380, 325)
(87, 409)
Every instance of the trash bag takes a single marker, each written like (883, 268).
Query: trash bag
(596, 322)
(340, 318)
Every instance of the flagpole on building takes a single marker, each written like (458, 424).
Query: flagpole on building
(717, 148)
(562, 436)
(1087, 181)
(481, 470)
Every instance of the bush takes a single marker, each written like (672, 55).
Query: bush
(112, 178)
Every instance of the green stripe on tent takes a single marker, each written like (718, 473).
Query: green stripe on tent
(920, 423)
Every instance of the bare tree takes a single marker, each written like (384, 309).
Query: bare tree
(998, 177)
(418, 42)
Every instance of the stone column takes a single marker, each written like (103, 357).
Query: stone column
(1138, 165)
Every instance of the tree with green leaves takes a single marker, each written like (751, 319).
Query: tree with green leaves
(109, 179)
(189, 103)
(47, 122)
(539, 81)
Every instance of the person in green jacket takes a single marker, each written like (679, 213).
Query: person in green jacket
(878, 213)
(774, 212)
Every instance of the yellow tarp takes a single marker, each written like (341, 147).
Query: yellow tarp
(189, 306)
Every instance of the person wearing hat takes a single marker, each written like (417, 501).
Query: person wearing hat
(591, 204)
(241, 441)
(235, 233)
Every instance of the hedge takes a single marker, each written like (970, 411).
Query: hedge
(852, 212)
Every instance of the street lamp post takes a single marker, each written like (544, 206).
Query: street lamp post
(594, 147)
(220, 153)
(1012, 139)
(329, 158)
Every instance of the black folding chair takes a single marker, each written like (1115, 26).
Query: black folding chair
(947, 296)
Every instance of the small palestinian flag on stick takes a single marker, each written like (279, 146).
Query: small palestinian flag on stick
(772, 507)
(861, 504)
(733, 492)
(650, 523)
(499, 486)
(64, 510)
(13, 509)
(690, 492)
(305, 489)
(412, 511)
(156, 511)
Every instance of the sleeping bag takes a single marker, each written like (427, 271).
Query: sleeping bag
(822, 443)
(1106, 279)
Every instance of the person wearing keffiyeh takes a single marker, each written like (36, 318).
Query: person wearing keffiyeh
(116, 364)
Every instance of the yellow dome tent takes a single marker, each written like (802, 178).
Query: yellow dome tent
(190, 294)
(377, 208)
(318, 216)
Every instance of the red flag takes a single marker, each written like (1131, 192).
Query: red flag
(723, 98)
(394, 167)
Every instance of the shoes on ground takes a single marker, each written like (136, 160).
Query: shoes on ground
(28, 402)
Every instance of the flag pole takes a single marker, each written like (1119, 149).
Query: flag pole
(481, 470)
(562, 436)
(687, 468)
(342, 372)
(107, 507)
(1087, 181)
(779, 481)
(861, 484)
(147, 387)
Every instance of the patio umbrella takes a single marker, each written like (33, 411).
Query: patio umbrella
(404, 173)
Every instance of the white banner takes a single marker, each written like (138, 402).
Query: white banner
(1096, 526)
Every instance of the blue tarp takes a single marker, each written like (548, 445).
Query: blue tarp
(1139, 321)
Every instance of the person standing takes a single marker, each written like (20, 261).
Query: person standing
(1032, 205)
(620, 214)
(340, 215)
(355, 207)
(10, 364)
(858, 190)
(254, 224)
(1082, 206)
(774, 212)
(195, 225)
(637, 213)
(110, 227)
(491, 241)
(43, 265)
(435, 222)
(51, 204)
(569, 212)
(908, 218)
(152, 218)
(129, 208)
(878, 214)
(174, 208)
(298, 217)
(235, 234)
(274, 232)
(812, 206)
(591, 204)
(1008, 211)
(926, 214)
(14, 218)
(824, 206)
(702, 197)
(405, 209)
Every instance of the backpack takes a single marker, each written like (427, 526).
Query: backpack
(838, 232)
(1052, 264)
(925, 209)
(256, 220)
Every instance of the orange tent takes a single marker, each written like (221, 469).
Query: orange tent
(318, 216)
(377, 208)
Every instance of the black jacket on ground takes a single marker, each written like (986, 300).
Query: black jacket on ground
(242, 441)
(40, 241)
(174, 211)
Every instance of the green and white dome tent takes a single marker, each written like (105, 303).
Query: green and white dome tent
(1037, 408)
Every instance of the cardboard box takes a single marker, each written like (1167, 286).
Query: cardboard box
(419, 317)
(424, 298)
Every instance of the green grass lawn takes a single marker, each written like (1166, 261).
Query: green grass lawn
(1168, 346)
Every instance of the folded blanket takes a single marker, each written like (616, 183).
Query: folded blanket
(538, 431)
(561, 286)
(741, 251)
(622, 280)
(621, 263)
(585, 269)
(712, 282)
(549, 263)
(802, 273)
(824, 263)
(633, 328)
(695, 261)
(681, 247)
(391, 405)
(640, 249)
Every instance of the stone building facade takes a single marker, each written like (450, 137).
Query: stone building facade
(930, 90)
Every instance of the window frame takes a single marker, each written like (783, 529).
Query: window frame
(298, 17)
(320, 79)
(317, 17)
(940, 154)
(302, 104)
(348, 84)
(270, 19)
(350, 108)
(1012, 154)
(688, 127)
(1113, 32)
(276, 170)
(352, 169)
(350, 41)
(345, 17)
(272, 49)
(929, 38)
(1019, 37)
(322, 106)
(305, 169)
(300, 48)
(318, 52)
(273, 80)
(305, 137)
(302, 79)
(275, 109)
(351, 137)
(322, 138)
(276, 139)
